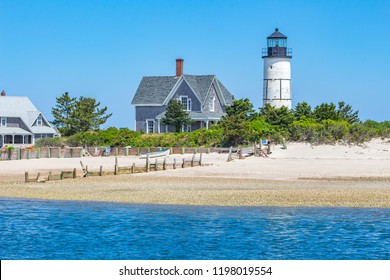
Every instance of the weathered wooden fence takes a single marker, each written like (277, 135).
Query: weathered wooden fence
(74, 152)
(42, 152)
(151, 165)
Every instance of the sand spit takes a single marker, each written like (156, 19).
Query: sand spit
(302, 175)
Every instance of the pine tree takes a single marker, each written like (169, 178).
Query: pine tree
(62, 111)
(176, 116)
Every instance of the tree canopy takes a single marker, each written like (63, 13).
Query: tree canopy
(277, 116)
(235, 124)
(73, 115)
(175, 115)
(65, 105)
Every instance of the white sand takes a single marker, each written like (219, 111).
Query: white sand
(301, 175)
(297, 161)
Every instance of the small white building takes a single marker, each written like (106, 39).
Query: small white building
(21, 124)
(277, 71)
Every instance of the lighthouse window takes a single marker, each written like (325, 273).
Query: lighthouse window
(277, 42)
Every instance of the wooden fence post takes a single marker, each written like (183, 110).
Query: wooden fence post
(50, 177)
(116, 166)
(127, 151)
(101, 170)
(182, 150)
(174, 163)
(74, 173)
(200, 160)
(26, 176)
(240, 155)
(183, 164)
(28, 154)
(133, 168)
(165, 164)
(39, 152)
(48, 152)
(192, 161)
(230, 158)
(156, 165)
(59, 152)
(147, 163)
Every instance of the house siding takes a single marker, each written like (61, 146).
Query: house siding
(143, 113)
(185, 90)
(16, 122)
(218, 108)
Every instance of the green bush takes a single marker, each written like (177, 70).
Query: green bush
(51, 142)
(260, 129)
(305, 129)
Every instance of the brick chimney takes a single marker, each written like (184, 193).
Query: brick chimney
(3, 93)
(179, 67)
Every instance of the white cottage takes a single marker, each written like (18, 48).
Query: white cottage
(21, 124)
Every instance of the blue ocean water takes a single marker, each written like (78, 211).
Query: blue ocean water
(39, 229)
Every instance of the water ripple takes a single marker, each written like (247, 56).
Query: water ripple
(37, 229)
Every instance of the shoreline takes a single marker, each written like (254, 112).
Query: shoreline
(302, 175)
(355, 193)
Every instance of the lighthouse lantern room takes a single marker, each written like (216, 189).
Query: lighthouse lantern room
(277, 71)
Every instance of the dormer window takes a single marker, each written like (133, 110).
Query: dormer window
(186, 103)
(212, 104)
(3, 122)
(39, 120)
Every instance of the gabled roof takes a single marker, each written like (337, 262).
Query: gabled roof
(21, 107)
(155, 90)
(277, 35)
(200, 84)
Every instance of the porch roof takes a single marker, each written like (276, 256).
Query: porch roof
(13, 131)
(199, 116)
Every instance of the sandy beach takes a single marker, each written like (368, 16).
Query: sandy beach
(301, 175)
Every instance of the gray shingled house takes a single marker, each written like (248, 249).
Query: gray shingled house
(21, 124)
(203, 96)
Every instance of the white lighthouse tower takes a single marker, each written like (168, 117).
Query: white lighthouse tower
(277, 71)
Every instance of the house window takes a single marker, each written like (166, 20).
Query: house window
(39, 120)
(3, 121)
(149, 126)
(212, 104)
(186, 103)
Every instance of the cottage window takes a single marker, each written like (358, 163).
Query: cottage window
(3, 121)
(186, 103)
(149, 126)
(39, 120)
(212, 104)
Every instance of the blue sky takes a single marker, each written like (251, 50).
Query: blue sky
(102, 48)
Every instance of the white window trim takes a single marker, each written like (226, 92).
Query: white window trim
(212, 104)
(40, 120)
(147, 125)
(189, 103)
(5, 122)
